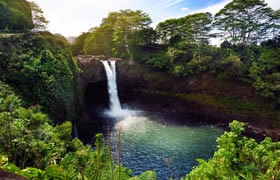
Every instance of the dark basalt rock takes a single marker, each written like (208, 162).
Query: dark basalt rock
(92, 69)
(10, 176)
(146, 89)
(96, 97)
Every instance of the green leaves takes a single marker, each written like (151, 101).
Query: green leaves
(244, 21)
(100, 41)
(193, 28)
(117, 33)
(237, 127)
(264, 72)
(55, 172)
(39, 21)
(44, 61)
(240, 158)
(15, 16)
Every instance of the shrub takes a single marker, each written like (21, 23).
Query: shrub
(239, 157)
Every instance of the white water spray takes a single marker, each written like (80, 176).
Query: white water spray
(115, 106)
(115, 110)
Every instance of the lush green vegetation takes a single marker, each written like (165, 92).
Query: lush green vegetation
(78, 47)
(40, 86)
(239, 157)
(15, 15)
(249, 52)
(28, 140)
(116, 35)
(42, 70)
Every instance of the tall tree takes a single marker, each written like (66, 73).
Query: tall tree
(199, 26)
(244, 21)
(100, 41)
(147, 36)
(274, 20)
(192, 28)
(170, 30)
(77, 47)
(39, 21)
(124, 23)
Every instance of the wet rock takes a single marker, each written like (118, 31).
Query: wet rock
(92, 69)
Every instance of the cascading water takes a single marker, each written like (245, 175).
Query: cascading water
(115, 110)
(115, 106)
(149, 142)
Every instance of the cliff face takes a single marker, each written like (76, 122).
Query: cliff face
(92, 69)
(221, 101)
(96, 97)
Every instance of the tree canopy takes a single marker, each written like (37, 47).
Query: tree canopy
(39, 21)
(15, 15)
(115, 33)
(77, 47)
(192, 28)
(245, 21)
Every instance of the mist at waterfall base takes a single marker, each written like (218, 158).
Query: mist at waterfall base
(150, 142)
(115, 110)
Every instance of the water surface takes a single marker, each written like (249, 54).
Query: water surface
(149, 143)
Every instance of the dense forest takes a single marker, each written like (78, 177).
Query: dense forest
(249, 51)
(41, 93)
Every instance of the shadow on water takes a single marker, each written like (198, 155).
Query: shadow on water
(155, 141)
(167, 143)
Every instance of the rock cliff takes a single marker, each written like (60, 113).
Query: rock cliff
(220, 101)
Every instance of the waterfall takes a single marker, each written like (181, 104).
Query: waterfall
(115, 106)
(115, 109)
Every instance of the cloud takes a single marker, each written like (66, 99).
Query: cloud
(172, 3)
(212, 8)
(184, 9)
(70, 17)
(274, 4)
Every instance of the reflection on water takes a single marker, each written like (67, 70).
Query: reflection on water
(149, 145)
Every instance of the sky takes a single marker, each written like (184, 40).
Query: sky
(72, 17)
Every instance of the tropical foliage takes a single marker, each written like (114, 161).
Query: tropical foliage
(239, 157)
(244, 22)
(28, 140)
(15, 16)
(44, 60)
(40, 85)
(181, 46)
(39, 21)
(117, 33)
(192, 28)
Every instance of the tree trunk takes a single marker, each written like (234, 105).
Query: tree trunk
(127, 47)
